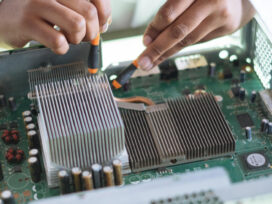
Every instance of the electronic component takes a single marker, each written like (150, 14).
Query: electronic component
(168, 70)
(17, 169)
(26, 113)
(77, 182)
(242, 76)
(236, 91)
(1, 172)
(15, 155)
(87, 180)
(227, 74)
(245, 120)
(211, 69)
(117, 170)
(34, 168)
(97, 176)
(3, 126)
(13, 125)
(31, 126)
(33, 140)
(191, 62)
(7, 197)
(28, 120)
(248, 133)
(242, 94)
(264, 125)
(108, 176)
(12, 103)
(253, 96)
(64, 184)
(10, 137)
(255, 161)
(160, 135)
(3, 102)
(269, 128)
(266, 102)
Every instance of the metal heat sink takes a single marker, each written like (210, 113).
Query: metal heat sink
(178, 131)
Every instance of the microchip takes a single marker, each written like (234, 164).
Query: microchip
(3, 126)
(13, 124)
(245, 120)
(17, 169)
(236, 91)
(255, 161)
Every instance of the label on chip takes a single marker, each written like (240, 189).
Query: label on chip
(256, 160)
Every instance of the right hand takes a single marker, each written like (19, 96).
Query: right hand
(24, 20)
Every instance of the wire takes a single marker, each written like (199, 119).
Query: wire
(136, 99)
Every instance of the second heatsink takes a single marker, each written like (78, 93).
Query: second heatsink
(178, 131)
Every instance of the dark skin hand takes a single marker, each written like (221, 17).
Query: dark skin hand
(180, 23)
(78, 20)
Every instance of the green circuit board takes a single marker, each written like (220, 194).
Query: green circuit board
(24, 190)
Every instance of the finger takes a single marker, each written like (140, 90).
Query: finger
(104, 13)
(89, 12)
(48, 36)
(182, 27)
(209, 25)
(72, 23)
(214, 34)
(167, 14)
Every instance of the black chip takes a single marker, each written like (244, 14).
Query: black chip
(227, 74)
(168, 70)
(245, 120)
(3, 126)
(17, 169)
(236, 91)
(186, 92)
(13, 125)
(255, 161)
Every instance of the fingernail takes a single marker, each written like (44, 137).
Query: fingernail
(147, 40)
(145, 63)
(110, 20)
(105, 27)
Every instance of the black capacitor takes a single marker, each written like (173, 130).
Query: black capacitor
(34, 167)
(33, 140)
(12, 103)
(1, 172)
(253, 96)
(269, 128)
(242, 94)
(264, 125)
(7, 197)
(242, 76)
(3, 101)
(211, 69)
(97, 176)
(77, 179)
(35, 153)
(248, 133)
(64, 182)
(33, 109)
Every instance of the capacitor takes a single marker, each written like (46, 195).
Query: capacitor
(34, 168)
(28, 120)
(32, 139)
(3, 102)
(211, 69)
(12, 103)
(97, 176)
(242, 94)
(117, 170)
(269, 128)
(7, 197)
(253, 96)
(242, 76)
(31, 126)
(64, 182)
(1, 172)
(248, 133)
(87, 180)
(26, 113)
(77, 182)
(264, 125)
(108, 176)
(35, 153)
(33, 109)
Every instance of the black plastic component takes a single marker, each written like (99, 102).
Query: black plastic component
(253, 96)
(242, 76)
(242, 94)
(93, 61)
(3, 101)
(168, 70)
(12, 103)
(245, 120)
(236, 91)
(227, 74)
(235, 81)
(34, 168)
(125, 74)
(17, 169)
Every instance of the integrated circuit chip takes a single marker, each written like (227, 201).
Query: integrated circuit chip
(245, 120)
(255, 161)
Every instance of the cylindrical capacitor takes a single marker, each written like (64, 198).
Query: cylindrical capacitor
(31, 126)
(117, 170)
(77, 182)
(242, 76)
(87, 180)
(35, 153)
(264, 125)
(97, 176)
(26, 113)
(211, 69)
(33, 140)
(108, 176)
(269, 128)
(2, 101)
(253, 96)
(7, 197)
(242, 94)
(248, 133)
(12, 103)
(28, 120)
(34, 168)
(33, 109)
(64, 182)
(1, 172)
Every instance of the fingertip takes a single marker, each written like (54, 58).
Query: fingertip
(61, 50)
(147, 40)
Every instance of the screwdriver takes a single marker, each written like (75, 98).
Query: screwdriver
(94, 55)
(125, 75)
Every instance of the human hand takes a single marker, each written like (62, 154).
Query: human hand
(180, 23)
(23, 21)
